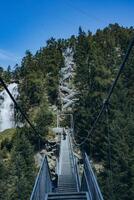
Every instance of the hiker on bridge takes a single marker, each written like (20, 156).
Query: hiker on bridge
(64, 134)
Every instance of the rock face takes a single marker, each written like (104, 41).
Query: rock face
(52, 152)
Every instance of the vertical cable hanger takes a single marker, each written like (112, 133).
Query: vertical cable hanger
(16, 117)
(110, 172)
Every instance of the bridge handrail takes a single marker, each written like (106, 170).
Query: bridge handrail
(43, 183)
(89, 181)
(75, 165)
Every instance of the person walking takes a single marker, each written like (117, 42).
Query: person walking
(64, 134)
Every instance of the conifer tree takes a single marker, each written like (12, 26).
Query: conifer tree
(22, 168)
(3, 178)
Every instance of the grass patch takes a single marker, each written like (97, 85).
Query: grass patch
(7, 134)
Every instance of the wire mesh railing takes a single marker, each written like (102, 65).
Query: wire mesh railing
(43, 183)
(89, 181)
(74, 164)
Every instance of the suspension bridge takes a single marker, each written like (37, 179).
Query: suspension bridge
(71, 184)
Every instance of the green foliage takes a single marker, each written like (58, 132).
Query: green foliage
(6, 75)
(6, 138)
(3, 173)
(22, 168)
(97, 58)
(40, 73)
(50, 60)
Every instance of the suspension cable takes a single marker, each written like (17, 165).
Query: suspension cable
(106, 101)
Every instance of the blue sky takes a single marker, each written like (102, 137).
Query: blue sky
(27, 24)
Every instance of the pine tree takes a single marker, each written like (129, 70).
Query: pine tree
(91, 80)
(3, 177)
(22, 168)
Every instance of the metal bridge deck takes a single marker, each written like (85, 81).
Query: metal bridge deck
(66, 178)
(65, 167)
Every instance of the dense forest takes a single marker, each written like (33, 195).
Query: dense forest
(97, 57)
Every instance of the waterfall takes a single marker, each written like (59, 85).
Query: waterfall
(7, 107)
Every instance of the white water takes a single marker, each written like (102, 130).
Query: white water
(7, 107)
(66, 89)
